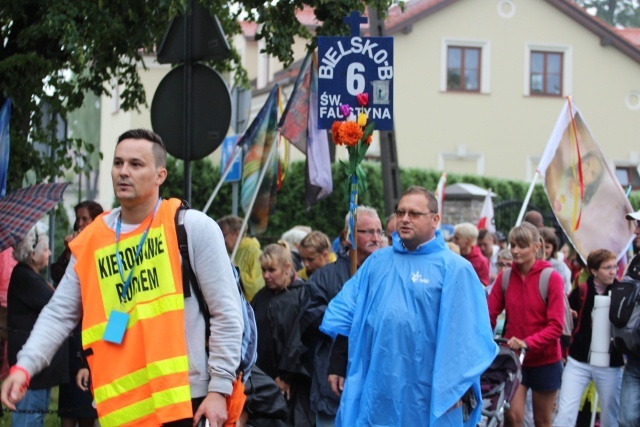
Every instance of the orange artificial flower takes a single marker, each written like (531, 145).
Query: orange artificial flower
(350, 133)
(335, 128)
(368, 140)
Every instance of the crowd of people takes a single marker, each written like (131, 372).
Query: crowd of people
(393, 332)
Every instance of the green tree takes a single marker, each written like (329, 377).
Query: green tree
(54, 52)
(615, 12)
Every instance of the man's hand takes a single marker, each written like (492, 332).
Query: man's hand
(14, 388)
(337, 384)
(284, 387)
(82, 379)
(214, 408)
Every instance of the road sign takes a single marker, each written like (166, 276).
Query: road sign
(349, 66)
(235, 173)
(210, 106)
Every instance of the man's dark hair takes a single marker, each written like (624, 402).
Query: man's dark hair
(432, 202)
(159, 150)
(482, 233)
(535, 218)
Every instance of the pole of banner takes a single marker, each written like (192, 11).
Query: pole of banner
(527, 198)
(594, 409)
(222, 178)
(263, 172)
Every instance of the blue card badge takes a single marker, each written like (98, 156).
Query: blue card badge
(116, 327)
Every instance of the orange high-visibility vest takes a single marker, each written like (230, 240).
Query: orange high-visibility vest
(144, 381)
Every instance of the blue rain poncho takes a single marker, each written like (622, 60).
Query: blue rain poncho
(419, 337)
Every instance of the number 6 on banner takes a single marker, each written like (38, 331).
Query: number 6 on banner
(355, 82)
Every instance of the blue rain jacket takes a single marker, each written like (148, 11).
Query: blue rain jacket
(419, 337)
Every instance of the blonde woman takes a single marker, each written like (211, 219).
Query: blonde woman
(532, 324)
(280, 350)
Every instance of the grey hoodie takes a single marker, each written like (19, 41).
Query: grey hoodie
(211, 265)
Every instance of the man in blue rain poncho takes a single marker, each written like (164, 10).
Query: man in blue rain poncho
(418, 329)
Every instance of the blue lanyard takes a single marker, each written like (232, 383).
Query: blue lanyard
(138, 251)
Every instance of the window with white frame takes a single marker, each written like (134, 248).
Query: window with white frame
(628, 175)
(465, 66)
(548, 70)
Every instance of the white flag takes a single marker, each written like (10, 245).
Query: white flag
(442, 183)
(584, 193)
(486, 216)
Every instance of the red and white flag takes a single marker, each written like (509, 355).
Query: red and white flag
(442, 183)
(486, 216)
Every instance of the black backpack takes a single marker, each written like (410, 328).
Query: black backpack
(624, 314)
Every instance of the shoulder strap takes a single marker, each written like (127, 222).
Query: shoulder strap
(543, 284)
(506, 275)
(189, 278)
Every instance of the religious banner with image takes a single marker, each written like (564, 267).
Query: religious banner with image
(584, 193)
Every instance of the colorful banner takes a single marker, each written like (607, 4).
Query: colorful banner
(299, 124)
(257, 141)
(584, 193)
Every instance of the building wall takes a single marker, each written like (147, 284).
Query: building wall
(501, 132)
(116, 121)
(504, 131)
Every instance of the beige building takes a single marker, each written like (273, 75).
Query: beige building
(478, 84)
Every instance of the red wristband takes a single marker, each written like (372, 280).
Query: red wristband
(16, 368)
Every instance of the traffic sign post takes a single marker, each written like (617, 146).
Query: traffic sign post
(235, 168)
(192, 37)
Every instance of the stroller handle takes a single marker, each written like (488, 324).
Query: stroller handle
(504, 341)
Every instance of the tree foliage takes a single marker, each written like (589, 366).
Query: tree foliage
(56, 51)
(625, 13)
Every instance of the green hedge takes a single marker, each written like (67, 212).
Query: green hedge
(328, 215)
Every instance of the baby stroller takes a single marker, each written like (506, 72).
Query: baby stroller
(499, 384)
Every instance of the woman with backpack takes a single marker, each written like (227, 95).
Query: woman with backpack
(534, 323)
(578, 372)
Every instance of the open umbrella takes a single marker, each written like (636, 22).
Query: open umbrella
(22, 209)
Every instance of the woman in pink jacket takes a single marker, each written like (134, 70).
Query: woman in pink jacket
(532, 323)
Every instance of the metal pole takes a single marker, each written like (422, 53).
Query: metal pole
(274, 147)
(188, 82)
(594, 409)
(527, 198)
(235, 189)
(390, 170)
(222, 178)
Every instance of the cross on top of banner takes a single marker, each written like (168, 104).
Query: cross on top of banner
(354, 20)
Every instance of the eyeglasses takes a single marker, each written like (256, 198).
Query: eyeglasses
(372, 232)
(412, 214)
(503, 264)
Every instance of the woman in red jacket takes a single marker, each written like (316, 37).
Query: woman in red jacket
(532, 323)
